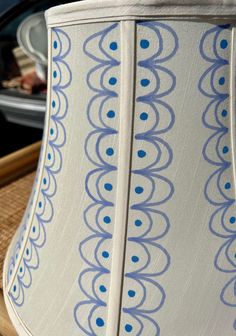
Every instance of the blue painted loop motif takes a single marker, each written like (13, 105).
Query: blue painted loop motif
(147, 222)
(90, 313)
(218, 185)
(24, 225)
(44, 211)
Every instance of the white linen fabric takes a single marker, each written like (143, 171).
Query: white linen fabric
(130, 228)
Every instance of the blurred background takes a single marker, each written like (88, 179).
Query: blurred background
(23, 69)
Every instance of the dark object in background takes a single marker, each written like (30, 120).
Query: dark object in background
(6, 4)
(13, 136)
(8, 65)
(21, 114)
(10, 20)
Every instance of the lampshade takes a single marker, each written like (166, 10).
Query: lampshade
(130, 228)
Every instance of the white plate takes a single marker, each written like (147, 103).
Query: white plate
(32, 37)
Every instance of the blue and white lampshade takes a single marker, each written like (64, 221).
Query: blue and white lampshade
(131, 225)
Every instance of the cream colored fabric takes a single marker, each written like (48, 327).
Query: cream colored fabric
(130, 229)
(106, 10)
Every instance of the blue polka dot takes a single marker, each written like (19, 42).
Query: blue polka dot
(227, 185)
(21, 269)
(27, 251)
(145, 82)
(113, 46)
(44, 180)
(225, 149)
(54, 74)
(108, 186)
(110, 151)
(144, 44)
(49, 156)
(143, 116)
(224, 44)
(102, 289)
(112, 81)
(232, 220)
(141, 153)
(99, 322)
(51, 131)
(128, 327)
(10, 272)
(16, 256)
(34, 229)
(107, 219)
(55, 44)
(14, 288)
(110, 114)
(40, 204)
(224, 113)
(138, 222)
(105, 254)
(131, 293)
(221, 80)
(139, 190)
(135, 259)
(53, 103)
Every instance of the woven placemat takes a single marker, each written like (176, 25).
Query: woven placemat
(13, 201)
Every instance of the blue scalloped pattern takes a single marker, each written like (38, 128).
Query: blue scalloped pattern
(23, 227)
(148, 224)
(90, 314)
(44, 209)
(218, 189)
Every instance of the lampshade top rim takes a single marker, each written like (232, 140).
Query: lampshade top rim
(95, 9)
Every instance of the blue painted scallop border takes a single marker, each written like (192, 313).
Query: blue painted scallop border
(153, 173)
(95, 267)
(217, 154)
(44, 211)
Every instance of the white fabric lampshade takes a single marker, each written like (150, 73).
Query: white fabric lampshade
(131, 225)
